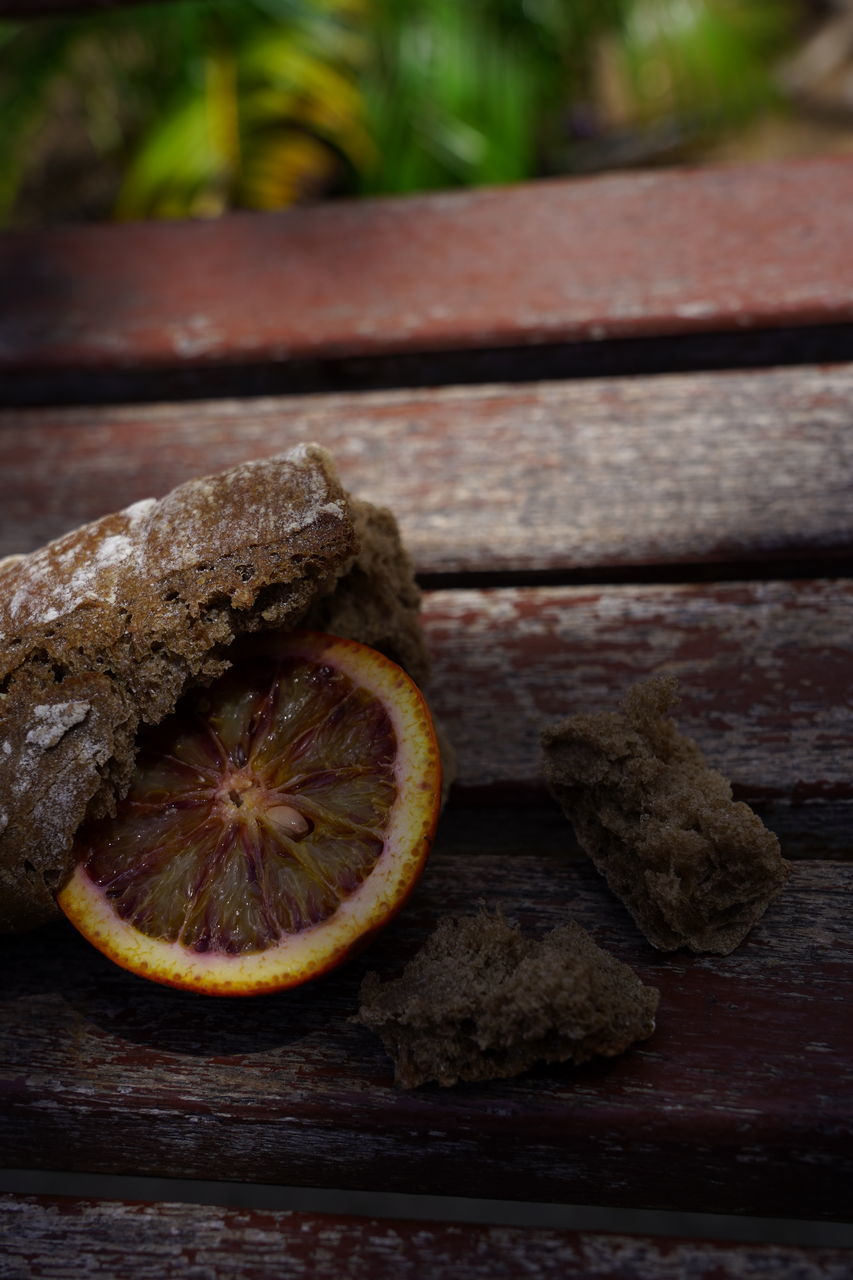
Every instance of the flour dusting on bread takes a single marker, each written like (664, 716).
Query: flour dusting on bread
(104, 629)
(101, 562)
(52, 722)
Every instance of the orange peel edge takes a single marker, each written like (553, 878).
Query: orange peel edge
(299, 958)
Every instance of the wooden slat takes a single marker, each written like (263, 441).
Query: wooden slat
(766, 672)
(613, 256)
(126, 1240)
(741, 1101)
(555, 477)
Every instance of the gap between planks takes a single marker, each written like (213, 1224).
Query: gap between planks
(612, 358)
(528, 1215)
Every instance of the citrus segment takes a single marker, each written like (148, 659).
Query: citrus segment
(275, 820)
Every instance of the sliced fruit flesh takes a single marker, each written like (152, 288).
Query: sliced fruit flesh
(275, 819)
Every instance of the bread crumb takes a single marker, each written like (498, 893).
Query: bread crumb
(480, 1001)
(694, 868)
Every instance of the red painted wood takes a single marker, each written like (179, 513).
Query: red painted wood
(742, 1101)
(720, 467)
(126, 1240)
(765, 671)
(613, 256)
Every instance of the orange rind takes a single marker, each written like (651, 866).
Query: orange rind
(274, 823)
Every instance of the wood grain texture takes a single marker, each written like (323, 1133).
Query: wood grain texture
(611, 256)
(126, 1240)
(742, 1101)
(549, 477)
(765, 671)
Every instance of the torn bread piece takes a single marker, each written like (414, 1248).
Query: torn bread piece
(104, 629)
(480, 1001)
(694, 868)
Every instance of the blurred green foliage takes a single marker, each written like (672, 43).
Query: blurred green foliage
(192, 108)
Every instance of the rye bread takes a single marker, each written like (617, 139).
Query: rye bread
(483, 1001)
(102, 631)
(694, 867)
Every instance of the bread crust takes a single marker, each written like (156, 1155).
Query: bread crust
(104, 629)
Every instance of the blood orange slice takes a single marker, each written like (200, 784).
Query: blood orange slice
(275, 821)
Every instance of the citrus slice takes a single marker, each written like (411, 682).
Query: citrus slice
(276, 820)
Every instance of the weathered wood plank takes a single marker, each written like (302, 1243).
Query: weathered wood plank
(554, 477)
(742, 1101)
(610, 256)
(766, 672)
(125, 1240)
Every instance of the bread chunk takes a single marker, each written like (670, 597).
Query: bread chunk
(376, 601)
(104, 629)
(694, 868)
(480, 1001)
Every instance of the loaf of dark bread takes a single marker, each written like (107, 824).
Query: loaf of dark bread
(104, 629)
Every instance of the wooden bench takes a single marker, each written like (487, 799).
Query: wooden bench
(551, 386)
